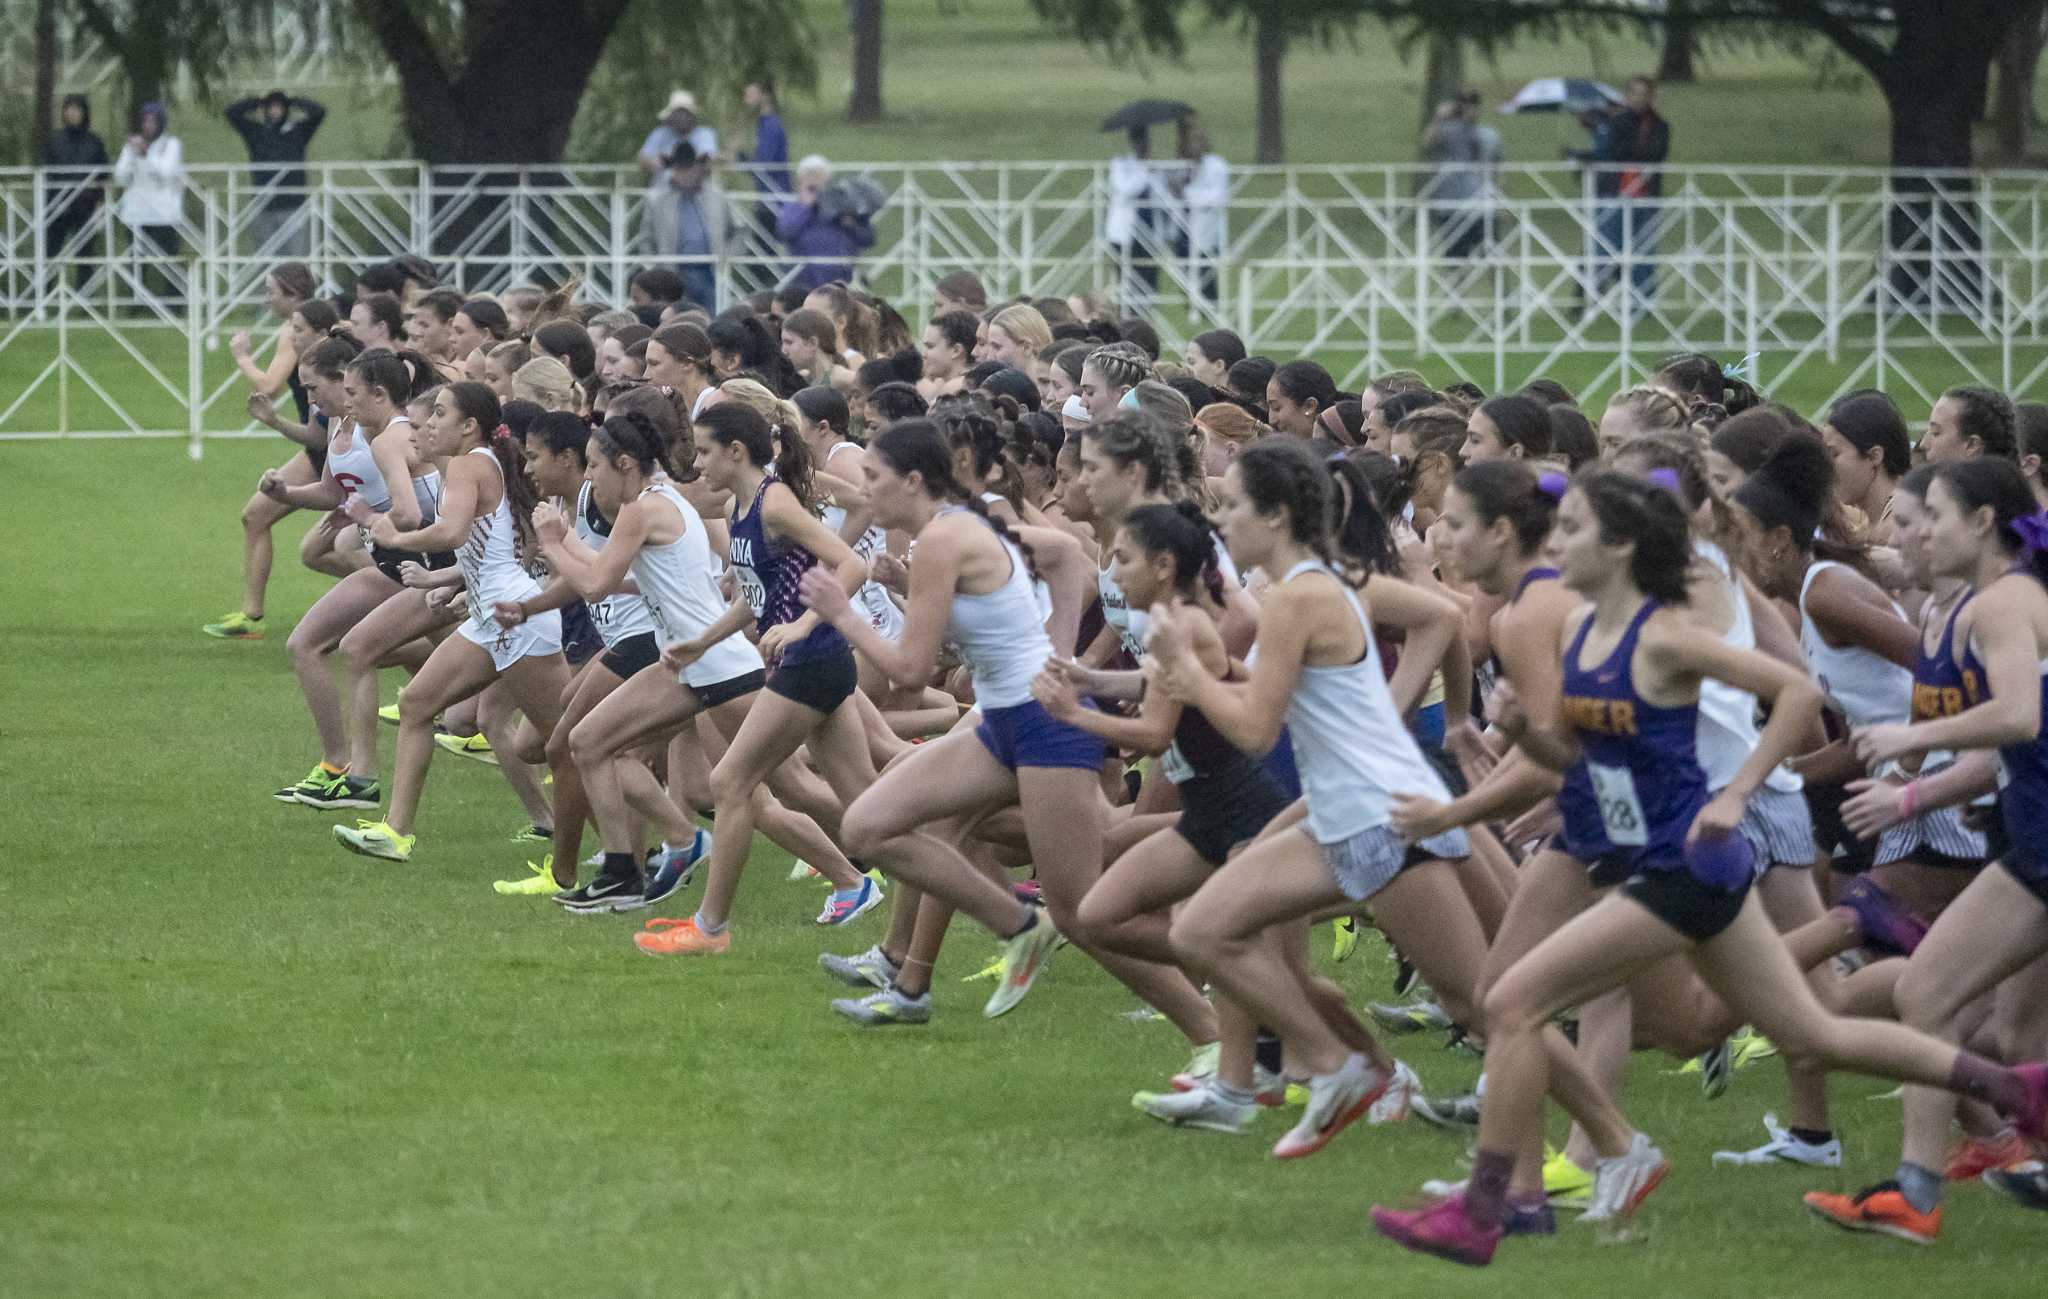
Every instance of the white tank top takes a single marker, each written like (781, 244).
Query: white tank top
(872, 598)
(1130, 624)
(1869, 689)
(678, 584)
(1728, 730)
(489, 558)
(356, 468)
(1001, 635)
(426, 489)
(1351, 746)
(619, 616)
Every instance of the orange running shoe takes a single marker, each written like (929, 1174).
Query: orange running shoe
(1882, 1208)
(1973, 1157)
(683, 939)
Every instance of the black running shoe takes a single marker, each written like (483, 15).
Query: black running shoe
(349, 791)
(606, 894)
(2025, 1184)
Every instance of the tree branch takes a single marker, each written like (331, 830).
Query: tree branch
(102, 23)
(1868, 54)
(405, 42)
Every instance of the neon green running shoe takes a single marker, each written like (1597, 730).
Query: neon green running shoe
(468, 746)
(1565, 1184)
(375, 839)
(539, 884)
(533, 834)
(235, 626)
(993, 970)
(1344, 937)
(1752, 1046)
(388, 714)
(317, 781)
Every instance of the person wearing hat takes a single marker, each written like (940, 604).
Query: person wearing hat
(685, 223)
(78, 162)
(151, 174)
(1460, 194)
(273, 135)
(677, 123)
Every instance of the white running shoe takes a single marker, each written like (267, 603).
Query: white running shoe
(1625, 1181)
(1202, 1064)
(1783, 1148)
(1200, 1108)
(872, 967)
(1335, 1101)
(1023, 957)
(1438, 1189)
(803, 870)
(886, 1007)
(1393, 1104)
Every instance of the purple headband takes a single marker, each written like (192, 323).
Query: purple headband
(2032, 530)
(1553, 484)
(1664, 478)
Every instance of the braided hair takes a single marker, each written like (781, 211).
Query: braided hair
(633, 435)
(1286, 474)
(917, 446)
(1134, 438)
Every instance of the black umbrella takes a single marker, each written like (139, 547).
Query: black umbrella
(1141, 113)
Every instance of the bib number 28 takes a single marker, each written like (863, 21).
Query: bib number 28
(1621, 812)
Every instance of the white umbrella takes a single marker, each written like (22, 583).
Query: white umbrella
(1561, 95)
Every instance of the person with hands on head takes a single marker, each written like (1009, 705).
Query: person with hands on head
(775, 539)
(1629, 707)
(486, 505)
(1984, 528)
(972, 584)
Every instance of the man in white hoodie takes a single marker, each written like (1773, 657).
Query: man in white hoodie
(151, 174)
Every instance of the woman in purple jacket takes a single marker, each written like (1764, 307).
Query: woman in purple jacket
(812, 226)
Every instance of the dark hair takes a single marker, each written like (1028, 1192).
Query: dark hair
(659, 283)
(519, 414)
(1135, 438)
(963, 286)
(1916, 481)
(738, 331)
(1013, 383)
(569, 343)
(1361, 534)
(635, 436)
(294, 280)
(1522, 421)
(1181, 531)
(384, 277)
(1572, 435)
(1749, 438)
(385, 310)
(558, 431)
(1198, 394)
(1249, 377)
(972, 425)
(1385, 477)
(318, 313)
(1304, 381)
(1870, 419)
(730, 422)
(1284, 473)
(822, 404)
(1466, 390)
(1141, 333)
(1700, 377)
(1987, 415)
(444, 303)
(1790, 489)
(917, 446)
(958, 328)
(2032, 420)
(1629, 509)
(905, 367)
(1221, 345)
(897, 401)
(332, 355)
(488, 316)
(1996, 481)
(381, 368)
(1392, 410)
(1349, 415)
(1036, 438)
(476, 401)
(1550, 392)
(1511, 490)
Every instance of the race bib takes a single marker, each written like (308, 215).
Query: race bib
(1621, 812)
(751, 590)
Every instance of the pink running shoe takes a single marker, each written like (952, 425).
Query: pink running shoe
(1442, 1229)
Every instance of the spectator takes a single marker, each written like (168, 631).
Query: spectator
(1460, 193)
(811, 227)
(77, 159)
(770, 177)
(1204, 188)
(1128, 226)
(1627, 190)
(678, 123)
(686, 221)
(277, 137)
(959, 291)
(151, 173)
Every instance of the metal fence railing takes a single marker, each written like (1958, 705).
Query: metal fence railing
(1835, 278)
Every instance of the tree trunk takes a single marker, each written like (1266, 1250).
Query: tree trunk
(1269, 51)
(865, 103)
(1681, 45)
(1443, 73)
(46, 81)
(2018, 59)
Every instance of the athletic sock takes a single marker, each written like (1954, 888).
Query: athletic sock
(1266, 1050)
(1812, 1136)
(1030, 922)
(1920, 1186)
(1994, 1084)
(1235, 1095)
(706, 928)
(1486, 1195)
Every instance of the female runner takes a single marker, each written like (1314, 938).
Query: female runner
(484, 505)
(971, 584)
(775, 540)
(1633, 715)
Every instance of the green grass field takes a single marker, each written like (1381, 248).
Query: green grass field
(240, 1062)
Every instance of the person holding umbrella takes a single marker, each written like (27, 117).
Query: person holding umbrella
(1626, 144)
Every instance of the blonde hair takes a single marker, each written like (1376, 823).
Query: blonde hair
(1654, 408)
(547, 381)
(510, 354)
(1023, 323)
(1232, 423)
(781, 415)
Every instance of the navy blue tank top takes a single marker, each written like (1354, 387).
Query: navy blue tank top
(1938, 677)
(2022, 776)
(768, 574)
(1641, 760)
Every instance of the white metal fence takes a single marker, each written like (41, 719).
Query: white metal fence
(1834, 278)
